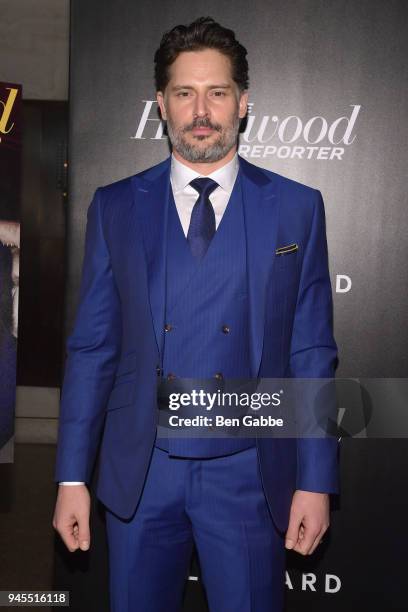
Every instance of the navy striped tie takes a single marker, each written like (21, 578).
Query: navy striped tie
(202, 223)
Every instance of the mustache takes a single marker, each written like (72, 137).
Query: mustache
(205, 123)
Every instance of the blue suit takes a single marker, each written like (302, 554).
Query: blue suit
(116, 348)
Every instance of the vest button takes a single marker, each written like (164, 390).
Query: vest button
(218, 376)
(168, 327)
(225, 329)
(171, 376)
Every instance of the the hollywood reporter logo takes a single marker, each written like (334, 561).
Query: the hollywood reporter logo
(297, 138)
(292, 137)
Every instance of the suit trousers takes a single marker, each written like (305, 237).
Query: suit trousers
(218, 504)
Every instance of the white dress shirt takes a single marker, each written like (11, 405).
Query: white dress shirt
(186, 196)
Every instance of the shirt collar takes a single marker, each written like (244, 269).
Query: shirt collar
(181, 175)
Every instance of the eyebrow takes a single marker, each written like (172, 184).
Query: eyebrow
(221, 86)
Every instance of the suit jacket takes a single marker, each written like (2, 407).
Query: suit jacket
(113, 351)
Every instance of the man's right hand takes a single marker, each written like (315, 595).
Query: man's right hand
(71, 516)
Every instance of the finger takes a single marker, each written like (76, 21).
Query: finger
(68, 537)
(317, 540)
(84, 535)
(304, 545)
(314, 545)
(292, 533)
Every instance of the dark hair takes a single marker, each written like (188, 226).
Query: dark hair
(203, 33)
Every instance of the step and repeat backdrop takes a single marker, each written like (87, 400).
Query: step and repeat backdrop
(328, 107)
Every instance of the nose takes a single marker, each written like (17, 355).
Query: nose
(200, 105)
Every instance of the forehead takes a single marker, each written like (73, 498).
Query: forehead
(207, 65)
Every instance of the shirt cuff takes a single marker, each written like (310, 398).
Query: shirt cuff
(70, 483)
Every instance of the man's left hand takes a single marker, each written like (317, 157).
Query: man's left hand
(308, 521)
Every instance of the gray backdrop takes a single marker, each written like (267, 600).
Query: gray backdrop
(328, 93)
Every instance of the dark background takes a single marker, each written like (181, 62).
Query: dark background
(308, 58)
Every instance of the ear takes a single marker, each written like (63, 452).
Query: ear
(162, 106)
(243, 104)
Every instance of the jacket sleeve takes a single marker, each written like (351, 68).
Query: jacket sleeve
(93, 349)
(313, 354)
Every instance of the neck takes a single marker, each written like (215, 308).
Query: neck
(206, 168)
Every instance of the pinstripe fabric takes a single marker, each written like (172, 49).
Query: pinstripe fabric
(216, 503)
(201, 297)
(119, 326)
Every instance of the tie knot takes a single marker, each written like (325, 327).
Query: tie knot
(204, 186)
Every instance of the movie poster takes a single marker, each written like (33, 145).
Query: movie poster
(10, 180)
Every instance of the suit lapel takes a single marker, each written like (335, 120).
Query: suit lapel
(151, 197)
(261, 210)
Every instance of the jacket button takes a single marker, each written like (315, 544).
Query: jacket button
(218, 376)
(168, 327)
(225, 329)
(159, 371)
(171, 376)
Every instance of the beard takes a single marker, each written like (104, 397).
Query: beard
(213, 152)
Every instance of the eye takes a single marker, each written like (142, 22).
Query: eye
(182, 94)
(219, 93)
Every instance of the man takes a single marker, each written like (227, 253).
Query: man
(202, 266)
